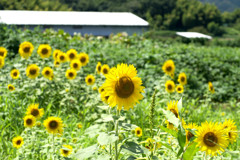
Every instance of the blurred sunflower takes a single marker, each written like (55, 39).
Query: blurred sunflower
(26, 49)
(35, 111)
(44, 50)
(75, 64)
(29, 121)
(1, 62)
(15, 74)
(56, 63)
(100, 89)
(83, 58)
(79, 125)
(17, 142)
(231, 128)
(138, 132)
(47, 72)
(32, 71)
(170, 125)
(72, 54)
(179, 89)
(169, 67)
(182, 78)
(90, 80)
(210, 87)
(99, 67)
(189, 134)
(211, 138)
(151, 144)
(56, 53)
(66, 150)
(3, 52)
(104, 97)
(94, 88)
(123, 87)
(172, 106)
(53, 125)
(71, 74)
(11, 87)
(105, 69)
(170, 86)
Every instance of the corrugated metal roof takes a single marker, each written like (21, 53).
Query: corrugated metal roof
(70, 18)
(193, 35)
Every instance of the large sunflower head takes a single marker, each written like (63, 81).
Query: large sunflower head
(1, 62)
(210, 87)
(231, 128)
(123, 87)
(11, 87)
(211, 138)
(53, 125)
(71, 74)
(83, 58)
(47, 72)
(105, 69)
(56, 53)
(66, 150)
(17, 142)
(170, 86)
(3, 52)
(72, 54)
(62, 57)
(168, 67)
(172, 106)
(35, 111)
(99, 67)
(179, 89)
(44, 50)
(75, 64)
(15, 74)
(26, 49)
(138, 132)
(182, 78)
(90, 80)
(32, 71)
(29, 121)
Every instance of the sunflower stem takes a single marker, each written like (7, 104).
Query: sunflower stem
(151, 117)
(53, 146)
(116, 133)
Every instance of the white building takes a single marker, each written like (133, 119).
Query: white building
(95, 23)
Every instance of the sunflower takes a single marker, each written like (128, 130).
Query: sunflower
(44, 50)
(71, 74)
(182, 78)
(99, 67)
(123, 86)
(15, 74)
(75, 64)
(100, 89)
(210, 87)
(170, 125)
(32, 71)
(53, 125)
(170, 86)
(62, 57)
(66, 150)
(35, 111)
(138, 132)
(105, 69)
(3, 52)
(211, 138)
(56, 53)
(26, 49)
(104, 97)
(83, 58)
(94, 88)
(189, 134)
(11, 87)
(72, 54)
(151, 144)
(179, 89)
(79, 125)
(56, 63)
(90, 80)
(231, 128)
(172, 106)
(1, 62)
(29, 121)
(168, 67)
(47, 72)
(17, 142)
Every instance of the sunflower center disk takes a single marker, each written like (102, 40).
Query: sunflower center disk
(75, 65)
(124, 87)
(70, 74)
(53, 124)
(229, 135)
(106, 97)
(189, 135)
(15, 74)
(138, 132)
(83, 59)
(72, 56)
(182, 79)
(44, 51)
(105, 71)
(62, 58)
(35, 112)
(19, 142)
(65, 151)
(174, 112)
(169, 68)
(29, 121)
(89, 80)
(169, 87)
(47, 72)
(99, 68)
(10, 88)
(1, 54)
(210, 139)
(33, 71)
(26, 49)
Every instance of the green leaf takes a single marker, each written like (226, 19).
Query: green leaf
(171, 118)
(190, 152)
(86, 152)
(132, 147)
(170, 131)
(179, 105)
(104, 139)
(181, 136)
(166, 145)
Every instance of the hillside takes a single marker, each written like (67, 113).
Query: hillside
(225, 5)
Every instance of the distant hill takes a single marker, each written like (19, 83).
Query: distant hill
(224, 5)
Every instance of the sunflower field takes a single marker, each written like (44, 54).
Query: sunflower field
(117, 98)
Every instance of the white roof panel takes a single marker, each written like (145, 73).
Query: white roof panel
(70, 18)
(193, 35)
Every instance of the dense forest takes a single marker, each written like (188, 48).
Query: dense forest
(224, 5)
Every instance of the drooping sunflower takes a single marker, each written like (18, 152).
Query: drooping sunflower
(26, 49)
(210, 87)
(3, 52)
(62, 57)
(170, 86)
(11, 87)
(123, 87)
(72, 54)
(231, 128)
(211, 138)
(17, 142)
(189, 134)
(169, 67)
(15, 74)
(100, 89)
(151, 144)
(105, 69)
(56, 63)
(75, 64)
(90, 80)
(32, 71)
(53, 125)
(179, 89)
(1, 62)
(35, 111)
(83, 58)
(44, 50)
(71, 74)
(182, 78)
(66, 150)
(138, 132)
(29, 121)
(172, 106)
(47, 72)
(56, 53)
(99, 67)
(104, 97)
